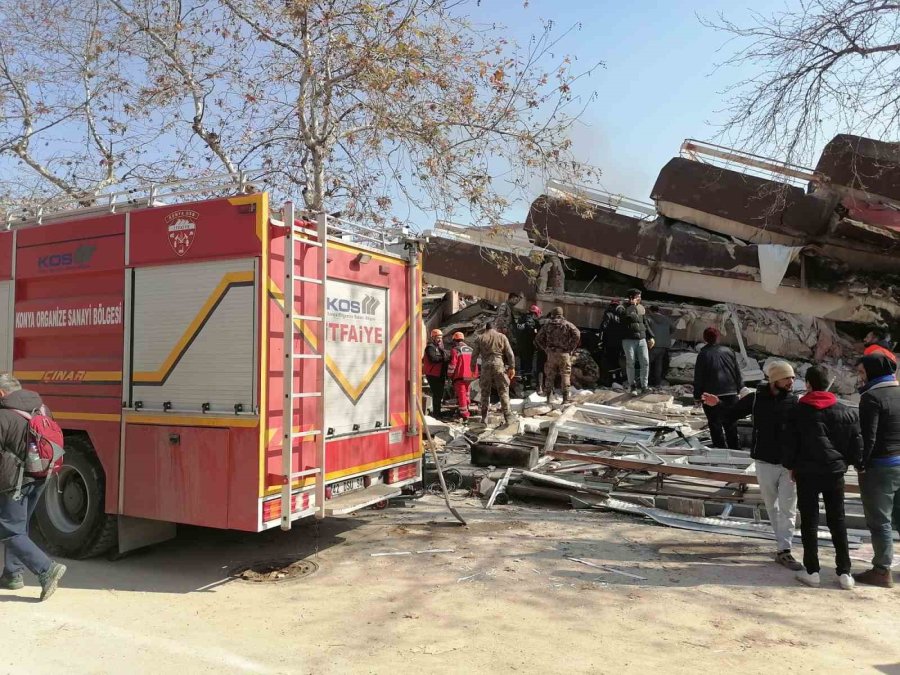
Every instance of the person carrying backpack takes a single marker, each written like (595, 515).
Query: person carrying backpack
(27, 433)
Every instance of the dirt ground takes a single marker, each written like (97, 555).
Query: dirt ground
(506, 599)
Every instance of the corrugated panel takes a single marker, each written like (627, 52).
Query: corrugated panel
(6, 324)
(193, 336)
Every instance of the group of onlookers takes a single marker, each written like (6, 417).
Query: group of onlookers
(802, 447)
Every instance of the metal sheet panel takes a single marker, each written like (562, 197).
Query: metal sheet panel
(193, 336)
(357, 338)
(6, 324)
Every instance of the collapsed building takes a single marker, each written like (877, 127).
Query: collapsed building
(787, 261)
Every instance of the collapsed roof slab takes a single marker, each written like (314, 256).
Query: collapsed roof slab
(483, 271)
(761, 211)
(862, 167)
(679, 261)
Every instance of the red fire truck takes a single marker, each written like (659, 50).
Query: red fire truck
(156, 329)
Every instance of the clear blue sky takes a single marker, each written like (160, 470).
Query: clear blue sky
(659, 85)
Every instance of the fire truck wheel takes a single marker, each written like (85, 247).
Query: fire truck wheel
(71, 516)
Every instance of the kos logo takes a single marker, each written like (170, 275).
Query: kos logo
(367, 306)
(77, 259)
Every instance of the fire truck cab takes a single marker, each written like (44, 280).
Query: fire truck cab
(212, 362)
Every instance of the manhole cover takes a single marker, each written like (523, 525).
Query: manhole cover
(273, 571)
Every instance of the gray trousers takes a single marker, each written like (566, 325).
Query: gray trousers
(780, 496)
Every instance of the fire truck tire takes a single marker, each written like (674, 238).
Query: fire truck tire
(71, 515)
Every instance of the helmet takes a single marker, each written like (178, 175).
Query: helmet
(437, 332)
(535, 310)
(458, 336)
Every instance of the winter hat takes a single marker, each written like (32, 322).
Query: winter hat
(711, 335)
(556, 311)
(877, 365)
(780, 370)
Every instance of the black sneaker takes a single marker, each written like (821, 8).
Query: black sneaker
(787, 560)
(50, 580)
(12, 583)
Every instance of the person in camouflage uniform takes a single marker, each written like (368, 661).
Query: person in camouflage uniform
(558, 338)
(497, 368)
(585, 371)
(505, 321)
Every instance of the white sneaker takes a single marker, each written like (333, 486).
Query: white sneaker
(808, 579)
(847, 582)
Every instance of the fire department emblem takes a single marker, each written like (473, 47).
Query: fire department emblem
(182, 227)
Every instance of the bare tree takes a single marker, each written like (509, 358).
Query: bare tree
(357, 105)
(822, 66)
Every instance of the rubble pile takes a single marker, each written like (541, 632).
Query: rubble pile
(646, 455)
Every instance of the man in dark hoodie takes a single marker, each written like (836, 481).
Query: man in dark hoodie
(771, 406)
(879, 468)
(820, 441)
(717, 372)
(16, 509)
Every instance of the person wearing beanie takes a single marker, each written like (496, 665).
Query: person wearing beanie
(559, 339)
(771, 406)
(717, 372)
(461, 371)
(879, 468)
(820, 442)
(434, 366)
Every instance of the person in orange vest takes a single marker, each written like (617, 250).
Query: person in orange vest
(879, 342)
(434, 366)
(461, 372)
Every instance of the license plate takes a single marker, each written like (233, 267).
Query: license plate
(347, 486)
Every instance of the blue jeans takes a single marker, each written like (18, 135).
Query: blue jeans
(636, 350)
(15, 515)
(880, 491)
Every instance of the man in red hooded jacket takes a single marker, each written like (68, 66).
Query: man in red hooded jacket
(821, 439)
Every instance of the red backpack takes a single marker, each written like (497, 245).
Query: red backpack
(43, 446)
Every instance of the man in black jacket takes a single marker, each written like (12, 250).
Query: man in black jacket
(821, 440)
(637, 340)
(16, 509)
(771, 405)
(611, 345)
(717, 372)
(879, 469)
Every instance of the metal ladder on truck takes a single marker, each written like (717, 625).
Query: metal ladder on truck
(318, 238)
